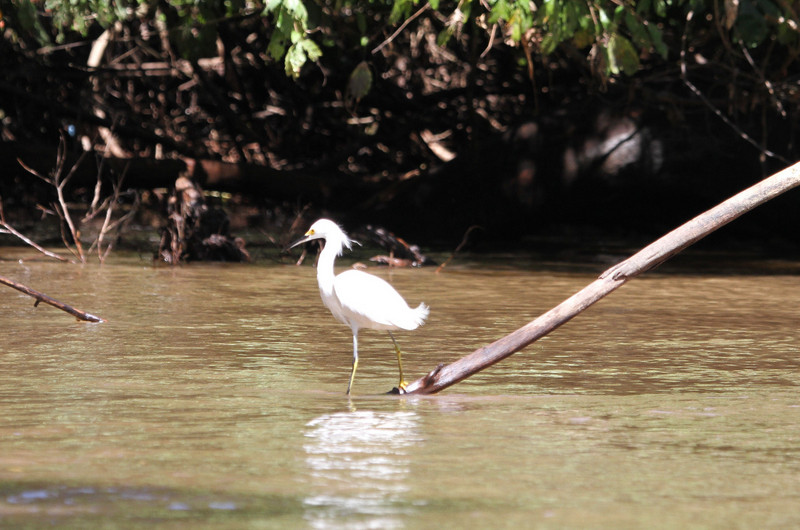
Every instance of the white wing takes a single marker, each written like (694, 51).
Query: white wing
(370, 302)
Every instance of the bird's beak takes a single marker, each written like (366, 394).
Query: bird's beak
(309, 236)
(299, 242)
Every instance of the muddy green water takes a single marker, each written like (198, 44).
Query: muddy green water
(214, 397)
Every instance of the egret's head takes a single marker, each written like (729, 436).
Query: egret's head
(329, 231)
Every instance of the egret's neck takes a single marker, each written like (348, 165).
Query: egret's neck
(325, 273)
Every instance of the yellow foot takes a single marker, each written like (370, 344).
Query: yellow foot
(402, 386)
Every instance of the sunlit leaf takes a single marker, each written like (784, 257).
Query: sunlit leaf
(548, 45)
(582, 39)
(294, 60)
(277, 46)
(297, 9)
(500, 11)
(400, 9)
(313, 52)
(622, 56)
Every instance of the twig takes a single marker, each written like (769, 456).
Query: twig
(401, 28)
(55, 179)
(763, 78)
(59, 183)
(491, 41)
(458, 248)
(649, 257)
(107, 225)
(11, 230)
(685, 78)
(41, 297)
(98, 188)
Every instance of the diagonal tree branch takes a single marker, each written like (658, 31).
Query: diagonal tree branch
(647, 258)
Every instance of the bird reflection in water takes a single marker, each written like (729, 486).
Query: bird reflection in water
(359, 466)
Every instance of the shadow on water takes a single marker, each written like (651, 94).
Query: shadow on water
(120, 506)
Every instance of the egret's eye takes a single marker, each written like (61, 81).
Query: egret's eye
(310, 233)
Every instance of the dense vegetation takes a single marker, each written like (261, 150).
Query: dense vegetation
(407, 111)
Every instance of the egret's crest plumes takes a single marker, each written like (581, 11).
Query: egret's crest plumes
(332, 233)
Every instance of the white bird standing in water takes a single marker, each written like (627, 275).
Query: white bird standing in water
(358, 299)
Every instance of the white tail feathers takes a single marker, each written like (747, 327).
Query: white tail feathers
(420, 314)
(411, 319)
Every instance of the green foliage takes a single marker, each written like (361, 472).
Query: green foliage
(618, 33)
(401, 9)
(290, 39)
(78, 15)
(29, 21)
(754, 20)
(615, 36)
(192, 24)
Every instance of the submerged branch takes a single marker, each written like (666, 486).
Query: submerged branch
(41, 297)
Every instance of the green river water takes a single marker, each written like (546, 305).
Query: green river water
(214, 398)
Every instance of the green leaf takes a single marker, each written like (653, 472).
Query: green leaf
(641, 37)
(619, 12)
(294, 61)
(445, 35)
(657, 38)
(313, 52)
(361, 22)
(548, 45)
(605, 22)
(297, 9)
(751, 25)
(622, 56)
(550, 8)
(582, 38)
(277, 46)
(751, 29)
(296, 36)
(29, 20)
(400, 9)
(360, 81)
(500, 11)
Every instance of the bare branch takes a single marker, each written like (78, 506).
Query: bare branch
(685, 78)
(41, 297)
(7, 228)
(401, 28)
(647, 258)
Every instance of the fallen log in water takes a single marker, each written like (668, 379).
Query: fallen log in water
(651, 256)
(41, 297)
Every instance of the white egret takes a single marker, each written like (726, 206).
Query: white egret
(358, 299)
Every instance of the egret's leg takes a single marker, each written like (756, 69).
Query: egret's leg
(403, 384)
(355, 360)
